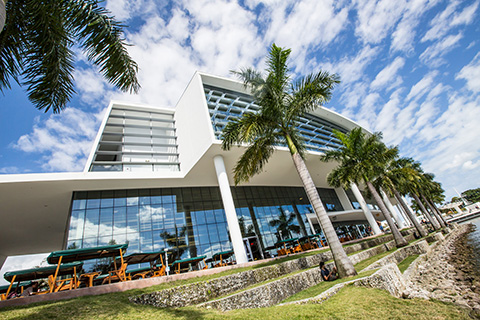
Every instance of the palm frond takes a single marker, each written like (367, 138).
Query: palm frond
(254, 159)
(48, 58)
(312, 91)
(101, 37)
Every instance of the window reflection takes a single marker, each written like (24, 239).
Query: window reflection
(190, 221)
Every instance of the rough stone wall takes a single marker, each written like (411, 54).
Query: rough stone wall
(387, 278)
(435, 276)
(203, 291)
(398, 256)
(200, 292)
(268, 294)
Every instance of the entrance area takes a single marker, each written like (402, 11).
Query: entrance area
(253, 249)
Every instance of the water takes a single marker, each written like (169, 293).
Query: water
(474, 241)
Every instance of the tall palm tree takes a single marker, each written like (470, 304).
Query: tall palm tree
(282, 101)
(415, 188)
(36, 48)
(429, 188)
(362, 159)
(399, 173)
(284, 224)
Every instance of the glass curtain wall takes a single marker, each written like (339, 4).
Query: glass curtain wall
(189, 221)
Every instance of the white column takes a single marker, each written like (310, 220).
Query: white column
(457, 208)
(406, 220)
(342, 196)
(368, 214)
(232, 220)
(390, 208)
(410, 208)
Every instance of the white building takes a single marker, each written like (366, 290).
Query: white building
(158, 178)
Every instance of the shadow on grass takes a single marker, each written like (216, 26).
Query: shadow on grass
(109, 306)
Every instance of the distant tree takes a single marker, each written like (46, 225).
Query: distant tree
(472, 195)
(36, 48)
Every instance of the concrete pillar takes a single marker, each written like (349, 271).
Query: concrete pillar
(457, 208)
(410, 208)
(232, 220)
(368, 214)
(406, 220)
(390, 208)
(342, 196)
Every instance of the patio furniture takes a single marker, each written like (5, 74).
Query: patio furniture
(221, 256)
(110, 251)
(184, 264)
(51, 273)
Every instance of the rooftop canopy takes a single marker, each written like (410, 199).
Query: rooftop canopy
(86, 253)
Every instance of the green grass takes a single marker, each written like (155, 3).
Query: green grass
(350, 303)
(365, 263)
(406, 262)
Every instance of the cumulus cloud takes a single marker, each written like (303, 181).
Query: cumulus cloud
(388, 74)
(471, 74)
(64, 140)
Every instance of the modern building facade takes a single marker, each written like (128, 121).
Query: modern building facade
(158, 178)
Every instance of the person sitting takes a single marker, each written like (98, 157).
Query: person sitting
(30, 290)
(328, 275)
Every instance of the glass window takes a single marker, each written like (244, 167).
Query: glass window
(120, 220)
(132, 219)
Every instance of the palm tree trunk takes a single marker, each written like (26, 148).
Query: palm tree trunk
(413, 219)
(399, 239)
(344, 265)
(440, 221)
(438, 211)
(3, 14)
(434, 222)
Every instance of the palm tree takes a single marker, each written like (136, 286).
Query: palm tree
(36, 48)
(431, 187)
(282, 101)
(284, 224)
(415, 187)
(362, 159)
(399, 173)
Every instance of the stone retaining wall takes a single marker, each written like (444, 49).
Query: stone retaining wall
(200, 292)
(420, 247)
(274, 292)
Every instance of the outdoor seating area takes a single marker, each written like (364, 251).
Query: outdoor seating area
(296, 245)
(66, 272)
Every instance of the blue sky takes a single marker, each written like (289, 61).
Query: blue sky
(410, 69)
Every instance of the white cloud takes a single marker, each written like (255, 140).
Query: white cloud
(15, 263)
(432, 55)
(352, 69)
(377, 18)
(388, 74)
(422, 86)
(471, 74)
(64, 140)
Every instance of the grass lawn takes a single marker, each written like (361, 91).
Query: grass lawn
(350, 303)
(406, 262)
